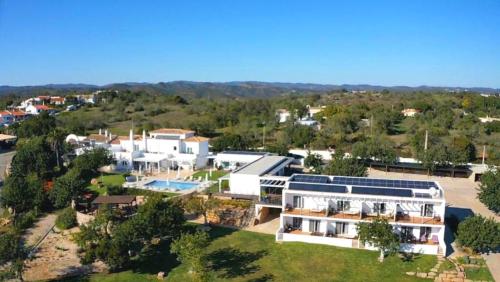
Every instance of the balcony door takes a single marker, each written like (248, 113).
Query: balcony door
(427, 210)
(341, 228)
(298, 202)
(406, 234)
(314, 226)
(297, 223)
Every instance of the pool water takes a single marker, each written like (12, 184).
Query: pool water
(176, 185)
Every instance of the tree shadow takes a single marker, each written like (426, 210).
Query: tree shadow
(263, 278)
(234, 262)
(453, 216)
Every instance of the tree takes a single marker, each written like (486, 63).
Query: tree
(66, 188)
(314, 161)
(375, 149)
(229, 142)
(489, 190)
(346, 166)
(88, 163)
(200, 206)
(39, 125)
(13, 252)
(56, 140)
(34, 156)
(480, 234)
(22, 193)
(115, 241)
(191, 250)
(379, 234)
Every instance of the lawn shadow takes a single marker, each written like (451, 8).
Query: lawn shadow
(263, 278)
(233, 262)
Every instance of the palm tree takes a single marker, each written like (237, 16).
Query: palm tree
(56, 140)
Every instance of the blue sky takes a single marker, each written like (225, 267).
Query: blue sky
(440, 43)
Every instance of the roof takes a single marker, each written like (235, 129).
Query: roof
(365, 186)
(244, 153)
(5, 137)
(171, 131)
(100, 138)
(42, 107)
(137, 137)
(196, 139)
(264, 165)
(115, 199)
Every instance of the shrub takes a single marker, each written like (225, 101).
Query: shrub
(25, 220)
(480, 234)
(115, 190)
(66, 219)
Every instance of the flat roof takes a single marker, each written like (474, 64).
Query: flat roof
(264, 165)
(115, 199)
(244, 153)
(366, 186)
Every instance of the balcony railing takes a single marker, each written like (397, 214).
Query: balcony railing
(272, 200)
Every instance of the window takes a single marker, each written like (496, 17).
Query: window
(189, 150)
(297, 223)
(341, 228)
(314, 226)
(427, 210)
(379, 208)
(175, 148)
(298, 202)
(343, 205)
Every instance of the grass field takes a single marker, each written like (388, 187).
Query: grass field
(107, 180)
(247, 256)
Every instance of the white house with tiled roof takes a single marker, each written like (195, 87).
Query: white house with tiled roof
(163, 148)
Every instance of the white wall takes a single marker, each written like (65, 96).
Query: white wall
(247, 184)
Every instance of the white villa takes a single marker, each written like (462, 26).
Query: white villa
(162, 149)
(409, 112)
(325, 209)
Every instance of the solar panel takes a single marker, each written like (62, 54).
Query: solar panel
(311, 178)
(381, 191)
(317, 187)
(383, 182)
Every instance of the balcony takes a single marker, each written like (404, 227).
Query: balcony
(317, 238)
(271, 199)
(436, 220)
(353, 214)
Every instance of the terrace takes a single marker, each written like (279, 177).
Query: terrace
(356, 215)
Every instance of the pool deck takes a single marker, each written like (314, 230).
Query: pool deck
(141, 184)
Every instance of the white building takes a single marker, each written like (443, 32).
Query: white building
(410, 112)
(162, 149)
(325, 210)
(488, 119)
(283, 115)
(37, 109)
(231, 160)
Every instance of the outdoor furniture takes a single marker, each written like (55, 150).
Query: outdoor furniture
(435, 239)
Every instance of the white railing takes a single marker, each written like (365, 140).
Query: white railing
(333, 241)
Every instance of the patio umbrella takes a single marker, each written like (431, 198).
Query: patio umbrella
(206, 177)
(179, 172)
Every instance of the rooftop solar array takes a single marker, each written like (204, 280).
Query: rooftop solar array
(316, 187)
(311, 178)
(381, 191)
(383, 183)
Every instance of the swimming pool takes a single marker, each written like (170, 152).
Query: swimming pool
(170, 185)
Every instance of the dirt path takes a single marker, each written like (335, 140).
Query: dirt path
(41, 227)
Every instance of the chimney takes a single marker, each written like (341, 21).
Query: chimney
(131, 140)
(106, 133)
(100, 131)
(144, 141)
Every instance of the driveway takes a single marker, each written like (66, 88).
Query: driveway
(461, 197)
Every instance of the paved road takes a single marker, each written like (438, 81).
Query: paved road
(461, 197)
(5, 159)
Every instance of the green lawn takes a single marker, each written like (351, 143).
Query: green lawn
(216, 174)
(246, 256)
(107, 180)
(482, 273)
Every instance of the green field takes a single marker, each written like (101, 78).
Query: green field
(247, 256)
(107, 180)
